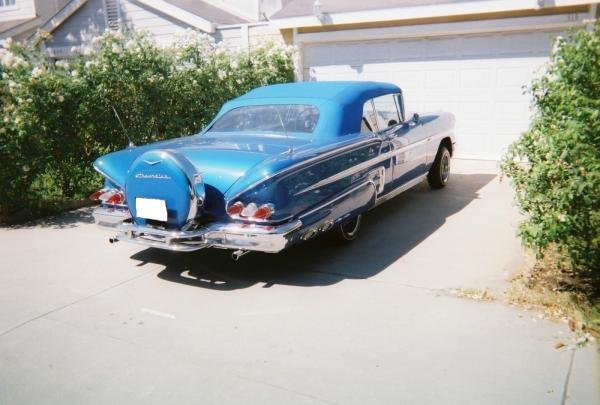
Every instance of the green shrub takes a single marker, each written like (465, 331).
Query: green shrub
(555, 165)
(58, 117)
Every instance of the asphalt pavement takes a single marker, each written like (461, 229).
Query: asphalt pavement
(378, 321)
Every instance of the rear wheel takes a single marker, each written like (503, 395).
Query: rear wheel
(439, 174)
(347, 231)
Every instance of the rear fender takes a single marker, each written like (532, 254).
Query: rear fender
(316, 182)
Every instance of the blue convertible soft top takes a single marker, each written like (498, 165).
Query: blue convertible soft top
(340, 103)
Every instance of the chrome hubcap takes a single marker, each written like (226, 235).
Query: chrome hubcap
(445, 168)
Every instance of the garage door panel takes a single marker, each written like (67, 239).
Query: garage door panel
(478, 78)
(473, 143)
(514, 76)
(431, 106)
(474, 111)
(412, 79)
(376, 76)
(475, 78)
(440, 79)
(508, 111)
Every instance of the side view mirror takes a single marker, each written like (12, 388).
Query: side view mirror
(391, 123)
(415, 118)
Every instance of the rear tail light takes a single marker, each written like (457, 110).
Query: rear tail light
(235, 209)
(116, 198)
(264, 211)
(108, 196)
(251, 211)
(95, 196)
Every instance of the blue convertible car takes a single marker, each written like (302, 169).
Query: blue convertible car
(279, 165)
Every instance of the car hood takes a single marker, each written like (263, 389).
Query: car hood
(222, 160)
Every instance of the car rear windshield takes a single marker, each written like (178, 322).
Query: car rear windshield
(273, 118)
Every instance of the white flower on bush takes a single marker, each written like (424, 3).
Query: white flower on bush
(75, 73)
(221, 74)
(7, 43)
(20, 62)
(5, 75)
(37, 72)
(63, 64)
(557, 44)
(90, 64)
(8, 59)
(116, 49)
(12, 85)
(2, 130)
(130, 45)
(185, 66)
(234, 64)
(60, 98)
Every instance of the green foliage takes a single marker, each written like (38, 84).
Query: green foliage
(555, 165)
(58, 117)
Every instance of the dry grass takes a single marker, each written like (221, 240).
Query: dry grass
(549, 286)
(472, 294)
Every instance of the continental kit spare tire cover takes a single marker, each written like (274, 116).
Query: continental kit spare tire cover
(164, 176)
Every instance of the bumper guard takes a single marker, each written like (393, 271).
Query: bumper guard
(250, 237)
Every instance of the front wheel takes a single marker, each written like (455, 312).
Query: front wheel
(347, 231)
(439, 174)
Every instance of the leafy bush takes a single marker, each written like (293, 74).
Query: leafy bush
(555, 165)
(58, 117)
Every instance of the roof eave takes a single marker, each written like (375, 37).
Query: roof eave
(417, 12)
(159, 5)
(60, 17)
(21, 28)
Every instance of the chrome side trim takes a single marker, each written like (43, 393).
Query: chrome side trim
(339, 197)
(304, 163)
(364, 165)
(404, 187)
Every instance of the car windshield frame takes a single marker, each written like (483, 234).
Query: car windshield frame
(275, 119)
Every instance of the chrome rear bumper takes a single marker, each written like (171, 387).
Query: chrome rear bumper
(254, 237)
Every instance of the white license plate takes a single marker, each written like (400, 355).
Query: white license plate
(151, 208)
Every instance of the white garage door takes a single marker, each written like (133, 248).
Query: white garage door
(478, 78)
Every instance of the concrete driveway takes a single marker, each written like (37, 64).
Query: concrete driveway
(85, 322)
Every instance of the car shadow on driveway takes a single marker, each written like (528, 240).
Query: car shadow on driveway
(388, 232)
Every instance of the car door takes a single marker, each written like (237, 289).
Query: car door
(406, 140)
